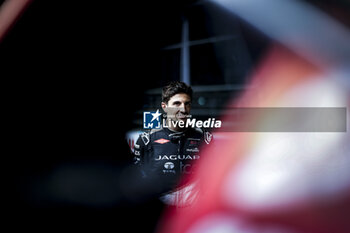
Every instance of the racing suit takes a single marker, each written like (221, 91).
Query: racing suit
(165, 155)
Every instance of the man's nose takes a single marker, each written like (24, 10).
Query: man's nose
(182, 107)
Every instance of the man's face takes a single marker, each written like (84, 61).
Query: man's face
(178, 107)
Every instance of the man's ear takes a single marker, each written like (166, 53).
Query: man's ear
(164, 106)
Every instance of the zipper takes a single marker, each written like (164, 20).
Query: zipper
(179, 149)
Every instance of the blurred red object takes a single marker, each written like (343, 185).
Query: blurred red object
(238, 192)
(10, 10)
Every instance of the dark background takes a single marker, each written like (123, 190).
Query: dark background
(73, 72)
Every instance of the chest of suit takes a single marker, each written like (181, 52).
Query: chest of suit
(173, 155)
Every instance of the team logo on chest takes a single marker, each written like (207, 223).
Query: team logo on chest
(177, 157)
(162, 141)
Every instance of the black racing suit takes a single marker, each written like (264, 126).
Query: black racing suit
(164, 155)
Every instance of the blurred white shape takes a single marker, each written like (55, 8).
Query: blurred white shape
(319, 92)
(297, 25)
(131, 137)
(227, 223)
(216, 223)
(283, 169)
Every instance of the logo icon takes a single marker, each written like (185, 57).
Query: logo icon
(151, 120)
(162, 141)
(169, 165)
(207, 137)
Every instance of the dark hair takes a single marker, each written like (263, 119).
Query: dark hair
(173, 88)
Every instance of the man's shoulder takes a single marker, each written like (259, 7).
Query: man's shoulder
(206, 135)
(155, 131)
(198, 131)
(145, 136)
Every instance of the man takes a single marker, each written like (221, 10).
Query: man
(167, 153)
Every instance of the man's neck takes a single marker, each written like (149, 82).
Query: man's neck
(174, 128)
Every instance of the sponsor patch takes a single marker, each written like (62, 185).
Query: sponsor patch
(207, 137)
(162, 141)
